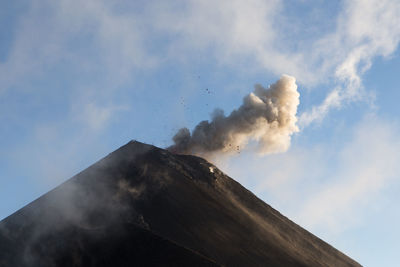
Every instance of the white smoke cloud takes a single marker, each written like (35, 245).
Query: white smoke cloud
(267, 116)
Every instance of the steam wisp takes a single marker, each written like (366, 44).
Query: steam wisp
(267, 116)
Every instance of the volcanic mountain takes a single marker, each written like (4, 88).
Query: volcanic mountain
(145, 206)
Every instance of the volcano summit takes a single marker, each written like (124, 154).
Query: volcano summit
(145, 206)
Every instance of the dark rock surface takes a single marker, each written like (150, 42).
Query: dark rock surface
(144, 206)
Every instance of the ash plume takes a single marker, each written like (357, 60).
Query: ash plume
(266, 116)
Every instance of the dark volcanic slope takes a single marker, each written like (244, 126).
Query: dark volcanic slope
(71, 245)
(142, 205)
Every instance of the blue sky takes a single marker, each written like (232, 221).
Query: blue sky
(78, 79)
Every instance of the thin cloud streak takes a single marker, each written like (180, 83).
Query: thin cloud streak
(365, 30)
(229, 30)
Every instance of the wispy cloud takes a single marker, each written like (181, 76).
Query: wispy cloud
(366, 166)
(365, 30)
(122, 38)
(90, 37)
(96, 117)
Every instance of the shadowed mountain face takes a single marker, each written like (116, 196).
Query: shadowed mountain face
(144, 206)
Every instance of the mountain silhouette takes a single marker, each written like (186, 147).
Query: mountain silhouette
(145, 206)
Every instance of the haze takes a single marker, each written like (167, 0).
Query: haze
(80, 79)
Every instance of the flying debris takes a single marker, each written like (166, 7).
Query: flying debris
(266, 116)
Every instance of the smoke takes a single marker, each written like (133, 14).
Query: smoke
(267, 116)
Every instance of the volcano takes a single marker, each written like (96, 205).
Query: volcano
(145, 206)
